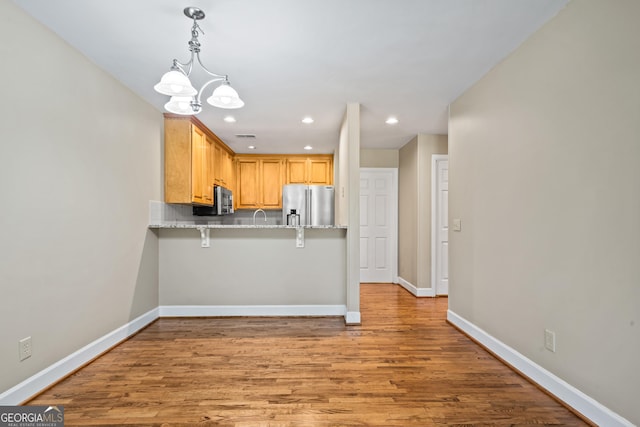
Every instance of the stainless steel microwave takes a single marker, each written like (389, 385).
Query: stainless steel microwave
(222, 203)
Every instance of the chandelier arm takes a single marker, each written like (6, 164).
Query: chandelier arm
(204, 86)
(222, 76)
(186, 68)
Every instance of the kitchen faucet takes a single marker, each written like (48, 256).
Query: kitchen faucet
(254, 215)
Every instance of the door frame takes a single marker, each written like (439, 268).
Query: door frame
(393, 218)
(435, 159)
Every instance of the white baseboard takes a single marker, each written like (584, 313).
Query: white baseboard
(585, 405)
(251, 310)
(48, 376)
(352, 318)
(418, 292)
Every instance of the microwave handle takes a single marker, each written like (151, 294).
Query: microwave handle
(217, 200)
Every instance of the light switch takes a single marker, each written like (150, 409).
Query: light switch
(457, 224)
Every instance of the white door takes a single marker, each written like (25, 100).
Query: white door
(378, 224)
(440, 228)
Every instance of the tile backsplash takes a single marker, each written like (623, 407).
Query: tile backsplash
(162, 213)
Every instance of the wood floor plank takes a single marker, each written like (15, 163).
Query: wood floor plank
(404, 366)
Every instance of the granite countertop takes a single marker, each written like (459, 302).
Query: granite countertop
(204, 224)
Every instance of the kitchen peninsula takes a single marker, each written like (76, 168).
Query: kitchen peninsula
(251, 270)
(240, 265)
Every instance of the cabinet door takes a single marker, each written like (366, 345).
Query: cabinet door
(296, 171)
(207, 170)
(189, 157)
(320, 171)
(177, 161)
(223, 167)
(227, 169)
(218, 154)
(197, 161)
(247, 184)
(271, 183)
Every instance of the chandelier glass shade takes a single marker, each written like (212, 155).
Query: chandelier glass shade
(224, 96)
(180, 105)
(175, 83)
(186, 99)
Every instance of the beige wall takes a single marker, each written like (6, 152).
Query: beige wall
(414, 211)
(408, 212)
(378, 158)
(342, 183)
(349, 202)
(79, 161)
(545, 176)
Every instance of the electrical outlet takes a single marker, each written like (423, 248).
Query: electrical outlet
(299, 237)
(24, 348)
(550, 340)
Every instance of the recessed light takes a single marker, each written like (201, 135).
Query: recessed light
(308, 147)
(391, 121)
(251, 147)
(229, 119)
(307, 120)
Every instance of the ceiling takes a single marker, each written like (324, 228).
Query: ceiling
(294, 58)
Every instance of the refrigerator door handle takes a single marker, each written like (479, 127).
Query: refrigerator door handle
(307, 192)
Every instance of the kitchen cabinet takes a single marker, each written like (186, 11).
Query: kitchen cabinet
(223, 170)
(272, 174)
(202, 184)
(196, 159)
(311, 170)
(259, 181)
(296, 171)
(188, 156)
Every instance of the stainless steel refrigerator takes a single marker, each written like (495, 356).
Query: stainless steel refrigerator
(314, 203)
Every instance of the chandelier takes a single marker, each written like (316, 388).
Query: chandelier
(185, 99)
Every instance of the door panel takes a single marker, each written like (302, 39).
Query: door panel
(364, 252)
(381, 252)
(378, 231)
(381, 207)
(442, 227)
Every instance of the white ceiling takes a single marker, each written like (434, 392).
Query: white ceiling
(293, 58)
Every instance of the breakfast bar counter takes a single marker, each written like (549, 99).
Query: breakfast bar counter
(214, 225)
(247, 270)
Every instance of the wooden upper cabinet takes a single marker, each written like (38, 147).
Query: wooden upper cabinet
(187, 163)
(201, 181)
(194, 160)
(223, 166)
(271, 184)
(296, 171)
(320, 171)
(228, 170)
(259, 181)
(247, 185)
(311, 170)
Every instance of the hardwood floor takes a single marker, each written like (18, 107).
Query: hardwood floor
(404, 366)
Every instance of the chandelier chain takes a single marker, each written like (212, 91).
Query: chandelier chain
(194, 43)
